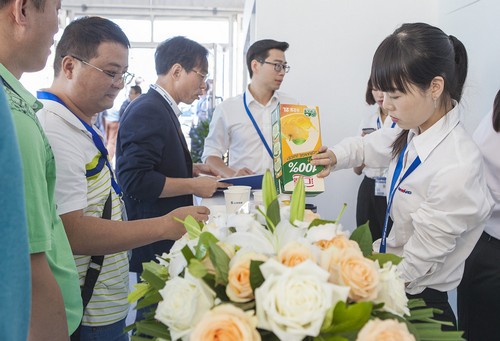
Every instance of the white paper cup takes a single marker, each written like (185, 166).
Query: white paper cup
(257, 197)
(238, 188)
(236, 199)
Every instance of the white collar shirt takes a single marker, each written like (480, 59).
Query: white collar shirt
(232, 130)
(488, 141)
(164, 93)
(440, 209)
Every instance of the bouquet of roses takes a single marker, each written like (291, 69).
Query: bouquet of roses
(278, 275)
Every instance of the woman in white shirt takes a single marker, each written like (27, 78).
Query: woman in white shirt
(372, 203)
(478, 299)
(438, 198)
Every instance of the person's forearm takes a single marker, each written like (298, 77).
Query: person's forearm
(174, 187)
(219, 167)
(48, 316)
(110, 236)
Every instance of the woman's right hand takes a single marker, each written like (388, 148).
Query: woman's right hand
(325, 157)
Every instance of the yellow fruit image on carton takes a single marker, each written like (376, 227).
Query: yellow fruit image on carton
(296, 137)
(295, 128)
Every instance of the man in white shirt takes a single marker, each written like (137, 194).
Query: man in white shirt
(242, 124)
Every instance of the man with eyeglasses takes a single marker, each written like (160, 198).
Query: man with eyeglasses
(90, 69)
(153, 162)
(242, 124)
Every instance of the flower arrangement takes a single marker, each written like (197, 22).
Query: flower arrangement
(278, 275)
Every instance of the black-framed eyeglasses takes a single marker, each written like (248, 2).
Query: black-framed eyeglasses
(116, 77)
(277, 66)
(203, 76)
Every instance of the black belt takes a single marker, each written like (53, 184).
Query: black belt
(489, 239)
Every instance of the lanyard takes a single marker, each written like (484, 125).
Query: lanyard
(397, 172)
(379, 125)
(103, 159)
(255, 125)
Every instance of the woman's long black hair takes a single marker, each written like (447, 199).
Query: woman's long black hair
(413, 55)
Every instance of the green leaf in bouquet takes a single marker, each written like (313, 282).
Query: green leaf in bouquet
(206, 239)
(140, 289)
(341, 213)
(330, 338)
(267, 335)
(256, 277)
(363, 237)
(151, 297)
(272, 215)
(384, 258)
(193, 227)
(220, 260)
(318, 222)
(347, 318)
(187, 253)
(298, 202)
(155, 274)
(153, 328)
(269, 193)
(196, 268)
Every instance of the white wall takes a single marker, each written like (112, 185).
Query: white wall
(476, 24)
(331, 48)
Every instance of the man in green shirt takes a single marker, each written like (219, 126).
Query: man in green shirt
(27, 29)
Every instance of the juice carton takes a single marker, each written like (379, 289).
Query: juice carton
(296, 137)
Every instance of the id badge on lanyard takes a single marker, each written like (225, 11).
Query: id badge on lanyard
(380, 190)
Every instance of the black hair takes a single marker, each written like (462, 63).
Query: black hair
(369, 95)
(496, 112)
(82, 37)
(180, 50)
(413, 55)
(137, 89)
(260, 51)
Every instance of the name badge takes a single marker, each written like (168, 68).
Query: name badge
(380, 186)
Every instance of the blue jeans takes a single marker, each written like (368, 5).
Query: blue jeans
(111, 332)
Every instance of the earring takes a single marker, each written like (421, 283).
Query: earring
(435, 103)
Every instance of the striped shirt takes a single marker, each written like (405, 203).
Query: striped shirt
(74, 191)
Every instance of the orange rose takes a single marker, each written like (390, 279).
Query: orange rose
(360, 274)
(385, 330)
(340, 241)
(331, 257)
(238, 288)
(226, 322)
(295, 253)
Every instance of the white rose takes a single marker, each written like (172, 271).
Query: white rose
(392, 290)
(185, 300)
(251, 235)
(286, 233)
(217, 229)
(323, 232)
(174, 260)
(292, 302)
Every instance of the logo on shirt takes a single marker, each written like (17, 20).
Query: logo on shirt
(405, 191)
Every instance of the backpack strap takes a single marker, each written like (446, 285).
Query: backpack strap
(93, 271)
